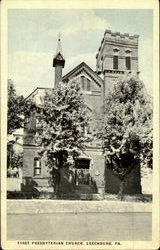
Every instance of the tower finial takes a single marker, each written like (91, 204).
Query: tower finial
(59, 36)
(59, 46)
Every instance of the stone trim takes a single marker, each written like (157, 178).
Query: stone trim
(133, 39)
(115, 43)
(121, 57)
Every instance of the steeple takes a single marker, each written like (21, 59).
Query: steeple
(58, 62)
(59, 46)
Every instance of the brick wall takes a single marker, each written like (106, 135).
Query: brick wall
(132, 184)
(29, 153)
(93, 97)
(108, 82)
(94, 101)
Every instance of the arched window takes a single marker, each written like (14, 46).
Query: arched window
(128, 59)
(128, 62)
(115, 62)
(37, 166)
(83, 82)
(115, 57)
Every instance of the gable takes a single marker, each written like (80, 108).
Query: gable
(81, 69)
(38, 95)
(90, 84)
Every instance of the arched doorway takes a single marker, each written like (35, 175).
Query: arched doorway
(83, 181)
(82, 175)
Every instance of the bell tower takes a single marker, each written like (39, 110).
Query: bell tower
(117, 55)
(58, 62)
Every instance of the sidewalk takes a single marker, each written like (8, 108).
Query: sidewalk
(69, 206)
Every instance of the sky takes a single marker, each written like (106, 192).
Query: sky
(33, 35)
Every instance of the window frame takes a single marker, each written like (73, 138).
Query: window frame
(115, 62)
(36, 160)
(128, 63)
(83, 82)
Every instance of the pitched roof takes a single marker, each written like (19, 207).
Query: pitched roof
(35, 91)
(83, 66)
(73, 72)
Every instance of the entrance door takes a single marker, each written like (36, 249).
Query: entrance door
(82, 175)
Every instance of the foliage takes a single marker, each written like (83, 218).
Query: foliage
(15, 108)
(127, 126)
(14, 160)
(18, 108)
(60, 126)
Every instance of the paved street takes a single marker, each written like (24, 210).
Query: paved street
(83, 226)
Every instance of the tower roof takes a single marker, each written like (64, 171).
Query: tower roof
(59, 58)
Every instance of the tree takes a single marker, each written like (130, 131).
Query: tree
(61, 120)
(15, 109)
(127, 128)
(13, 160)
(18, 108)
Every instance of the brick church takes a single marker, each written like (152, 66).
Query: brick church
(116, 56)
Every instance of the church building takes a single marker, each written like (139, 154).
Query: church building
(116, 56)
